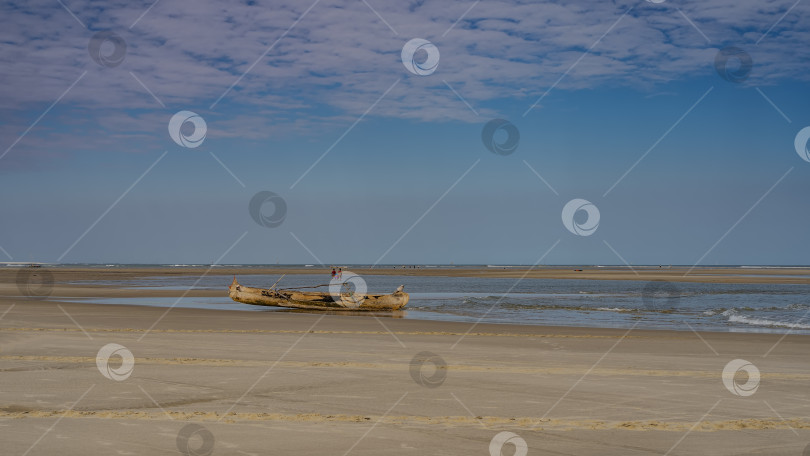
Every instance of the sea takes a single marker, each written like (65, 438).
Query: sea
(748, 308)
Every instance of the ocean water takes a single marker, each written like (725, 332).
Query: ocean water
(773, 308)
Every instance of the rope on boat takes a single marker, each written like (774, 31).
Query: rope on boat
(273, 287)
(345, 284)
(298, 288)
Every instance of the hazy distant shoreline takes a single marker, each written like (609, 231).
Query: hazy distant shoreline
(737, 274)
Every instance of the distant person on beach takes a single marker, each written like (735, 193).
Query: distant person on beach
(340, 273)
(333, 273)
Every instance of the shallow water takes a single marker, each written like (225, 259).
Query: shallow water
(593, 303)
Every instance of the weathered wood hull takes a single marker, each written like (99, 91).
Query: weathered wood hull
(316, 300)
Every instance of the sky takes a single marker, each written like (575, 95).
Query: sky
(342, 132)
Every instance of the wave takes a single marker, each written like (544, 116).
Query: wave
(472, 303)
(735, 317)
(794, 306)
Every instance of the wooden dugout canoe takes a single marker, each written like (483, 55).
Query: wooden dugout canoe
(314, 300)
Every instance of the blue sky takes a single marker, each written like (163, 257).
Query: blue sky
(411, 181)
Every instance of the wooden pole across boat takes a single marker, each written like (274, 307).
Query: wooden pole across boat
(277, 281)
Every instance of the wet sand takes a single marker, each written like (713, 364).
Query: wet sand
(297, 383)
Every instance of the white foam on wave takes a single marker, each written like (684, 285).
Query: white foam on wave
(735, 317)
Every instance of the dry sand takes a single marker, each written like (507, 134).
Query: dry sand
(295, 383)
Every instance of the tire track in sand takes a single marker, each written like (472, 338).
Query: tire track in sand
(532, 423)
(498, 369)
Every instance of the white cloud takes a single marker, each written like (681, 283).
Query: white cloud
(341, 57)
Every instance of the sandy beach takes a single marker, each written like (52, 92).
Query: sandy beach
(228, 382)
